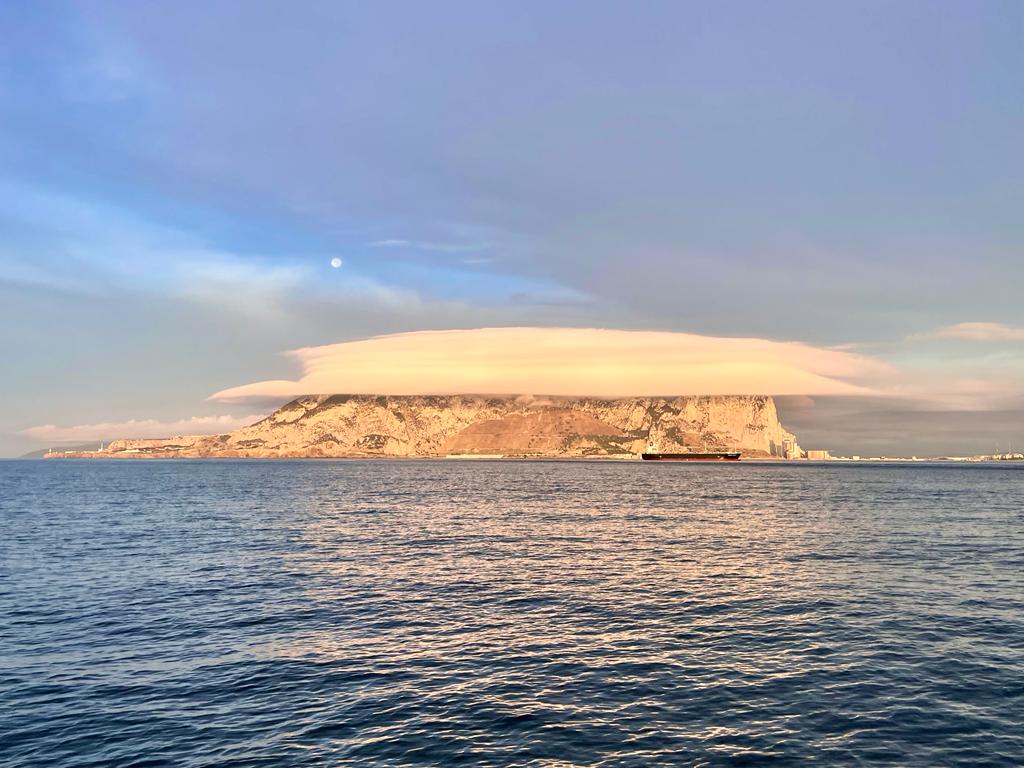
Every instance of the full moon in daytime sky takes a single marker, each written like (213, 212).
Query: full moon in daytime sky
(336, 262)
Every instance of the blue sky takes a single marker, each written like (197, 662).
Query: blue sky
(177, 176)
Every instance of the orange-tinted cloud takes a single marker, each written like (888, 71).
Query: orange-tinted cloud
(569, 361)
(980, 332)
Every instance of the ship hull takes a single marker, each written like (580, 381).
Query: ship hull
(715, 456)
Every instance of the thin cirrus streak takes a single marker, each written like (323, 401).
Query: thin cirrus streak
(569, 361)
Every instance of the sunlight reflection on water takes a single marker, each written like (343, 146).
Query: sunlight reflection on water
(509, 612)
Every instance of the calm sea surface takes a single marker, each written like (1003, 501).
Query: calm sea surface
(524, 613)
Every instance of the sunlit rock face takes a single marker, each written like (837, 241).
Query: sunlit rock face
(466, 425)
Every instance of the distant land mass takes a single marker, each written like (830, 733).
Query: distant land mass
(359, 426)
(42, 452)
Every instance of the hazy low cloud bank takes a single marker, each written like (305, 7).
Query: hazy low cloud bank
(894, 427)
(140, 428)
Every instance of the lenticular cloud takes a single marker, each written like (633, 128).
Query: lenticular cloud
(568, 361)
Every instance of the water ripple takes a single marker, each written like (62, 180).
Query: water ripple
(528, 613)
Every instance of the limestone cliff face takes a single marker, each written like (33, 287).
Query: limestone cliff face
(365, 425)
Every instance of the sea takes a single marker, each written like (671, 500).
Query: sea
(510, 613)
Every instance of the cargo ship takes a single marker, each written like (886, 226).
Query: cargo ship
(713, 456)
(652, 454)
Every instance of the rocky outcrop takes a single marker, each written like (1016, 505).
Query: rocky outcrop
(467, 425)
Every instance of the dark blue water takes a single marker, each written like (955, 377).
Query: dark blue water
(523, 613)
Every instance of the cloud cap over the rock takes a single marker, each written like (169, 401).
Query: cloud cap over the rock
(569, 361)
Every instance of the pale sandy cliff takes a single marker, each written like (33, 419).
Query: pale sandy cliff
(437, 426)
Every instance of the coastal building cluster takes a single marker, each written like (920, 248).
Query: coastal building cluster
(791, 450)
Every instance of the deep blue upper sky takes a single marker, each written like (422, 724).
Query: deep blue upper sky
(176, 177)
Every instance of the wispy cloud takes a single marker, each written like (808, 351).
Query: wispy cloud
(245, 286)
(96, 248)
(553, 297)
(570, 361)
(978, 331)
(114, 72)
(421, 245)
(139, 428)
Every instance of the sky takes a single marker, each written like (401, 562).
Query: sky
(846, 179)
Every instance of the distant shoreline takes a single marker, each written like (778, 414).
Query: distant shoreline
(120, 457)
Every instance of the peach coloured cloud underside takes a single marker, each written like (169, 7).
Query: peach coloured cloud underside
(568, 361)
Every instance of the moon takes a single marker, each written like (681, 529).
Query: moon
(336, 262)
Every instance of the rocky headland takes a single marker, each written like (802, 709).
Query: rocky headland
(350, 426)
